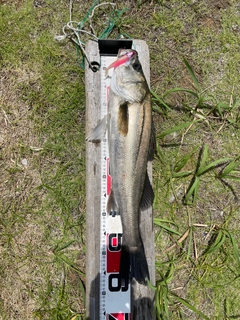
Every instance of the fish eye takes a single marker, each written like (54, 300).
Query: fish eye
(137, 66)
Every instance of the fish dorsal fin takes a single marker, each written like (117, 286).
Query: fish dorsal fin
(148, 195)
(98, 132)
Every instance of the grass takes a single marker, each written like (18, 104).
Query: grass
(195, 83)
(42, 206)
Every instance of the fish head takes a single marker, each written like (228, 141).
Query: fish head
(128, 80)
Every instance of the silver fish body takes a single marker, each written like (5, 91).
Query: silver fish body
(130, 135)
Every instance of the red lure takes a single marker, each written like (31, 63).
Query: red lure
(121, 60)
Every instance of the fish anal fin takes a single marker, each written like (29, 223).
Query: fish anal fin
(98, 132)
(123, 119)
(148, 195)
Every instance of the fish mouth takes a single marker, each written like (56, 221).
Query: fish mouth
(124, 57)
(127, 52)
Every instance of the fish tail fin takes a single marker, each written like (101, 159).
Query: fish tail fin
(134, 265)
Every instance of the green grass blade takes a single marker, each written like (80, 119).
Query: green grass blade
(230, 167)
(219, 108)
(70, 264)
(192, 74)
(159, 153)
(177, 128)
(151, 286)
(170, 273)
(235, 178)
(181, 90)
(220, 239)
(160, 101)
(66, 245)
(235, 104)
(195, 191)
(181, 174)
(168, 277)
(235, 249)
(158, 222)
(157, 300)
(165, 302)
(166, 221)
(211, 166)
(192, 192)
(189, 306)
(204, 155)
(190, 243)
(82, 289)
(223, 105)
(227, 308)
(183, 160)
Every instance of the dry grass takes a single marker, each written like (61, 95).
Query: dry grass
(21, 236)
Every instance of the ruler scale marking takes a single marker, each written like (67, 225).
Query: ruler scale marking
(117, 299)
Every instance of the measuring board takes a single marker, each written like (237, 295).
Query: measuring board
(115, 299)
(107, 298)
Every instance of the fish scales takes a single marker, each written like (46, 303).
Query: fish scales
(128, 169)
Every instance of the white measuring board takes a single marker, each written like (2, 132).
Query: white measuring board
(106, 298)
(115, 299)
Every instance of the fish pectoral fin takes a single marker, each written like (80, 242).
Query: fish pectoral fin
(98, 132)
(112, 206)
(148, 195)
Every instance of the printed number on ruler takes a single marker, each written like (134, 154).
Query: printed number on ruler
(114, 297)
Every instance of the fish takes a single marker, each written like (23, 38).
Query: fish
(131, 137)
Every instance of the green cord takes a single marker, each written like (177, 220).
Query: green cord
(81, 23)
(112, 23)
(113, 20)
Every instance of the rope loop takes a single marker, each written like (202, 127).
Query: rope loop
(75, 30)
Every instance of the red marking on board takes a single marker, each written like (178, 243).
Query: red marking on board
(113, 241)
(109, 178)
(119, 316)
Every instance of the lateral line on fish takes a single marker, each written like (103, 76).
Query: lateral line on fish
(143, 123)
